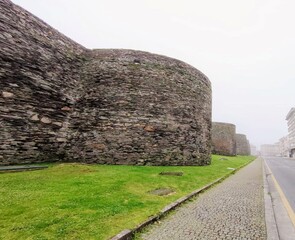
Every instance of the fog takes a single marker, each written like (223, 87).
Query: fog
(246, 48)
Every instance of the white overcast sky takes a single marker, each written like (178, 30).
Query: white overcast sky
(245, 47)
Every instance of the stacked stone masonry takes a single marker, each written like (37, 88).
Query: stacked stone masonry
(243, 145)
(223, 139)
(62, 102)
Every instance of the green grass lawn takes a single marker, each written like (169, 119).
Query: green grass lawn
(77, 201)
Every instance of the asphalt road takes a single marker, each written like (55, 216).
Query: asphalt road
(283, 170)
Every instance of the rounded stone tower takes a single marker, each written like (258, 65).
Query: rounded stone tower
(243, 146)
(143, 108)
(223, 138)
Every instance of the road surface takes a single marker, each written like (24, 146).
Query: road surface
(283, 170)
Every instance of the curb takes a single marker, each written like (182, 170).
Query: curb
(270, 221)
(128, 234)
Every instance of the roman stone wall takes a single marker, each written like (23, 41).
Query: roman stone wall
(223, 138)
(60, 101)
(39, 79)
(142, 108)
(243, 145)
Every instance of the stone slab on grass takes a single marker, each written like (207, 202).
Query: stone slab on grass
(171, 173)
(21, 168)
(162, 191)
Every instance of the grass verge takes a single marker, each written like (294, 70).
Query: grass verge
(77, 201)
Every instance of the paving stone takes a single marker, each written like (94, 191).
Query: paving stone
(234, 209)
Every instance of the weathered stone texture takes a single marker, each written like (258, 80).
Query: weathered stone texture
(60, 101)
(39, 75)
(143, 109)
(223, 138)
(243, 145)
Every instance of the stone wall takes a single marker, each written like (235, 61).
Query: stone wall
(223, 138)
(60, 101)
(143, 108)
(39, 80)
(243, 145)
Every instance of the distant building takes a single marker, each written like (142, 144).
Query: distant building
(253, 150)
(284, 146)
(291, 131)
(270, 150)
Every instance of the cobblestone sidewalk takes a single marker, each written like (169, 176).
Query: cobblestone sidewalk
(233, 209)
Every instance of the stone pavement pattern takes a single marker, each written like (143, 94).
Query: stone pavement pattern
(233, 209)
